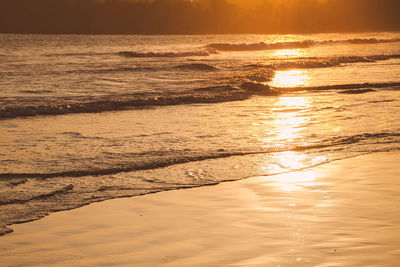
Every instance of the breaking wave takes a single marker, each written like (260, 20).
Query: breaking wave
(134, 166)
(214, 94)
(309, 63)
(372, 41)
(38, 197)
(183, 158)
(292, 45)
(133, 54)
(198, 67)
(78, 54)
(298, 63)
(116, 70)
(347, 87)
(359, 91)
(204, 95)
(260, 46)
(259, 88)
(213, 48)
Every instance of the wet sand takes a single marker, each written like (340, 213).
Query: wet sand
(345, 213)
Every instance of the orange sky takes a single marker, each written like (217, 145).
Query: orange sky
(246, 3)
(178, 17)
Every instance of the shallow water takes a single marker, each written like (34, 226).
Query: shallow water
(345, 213)
(88, 118)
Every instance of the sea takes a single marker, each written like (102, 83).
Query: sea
(86, 118)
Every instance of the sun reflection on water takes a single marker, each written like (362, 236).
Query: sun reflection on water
(294, 181)
(291, 78)
(297, 176)
(288, 53)
(293, 163)
(294, 102)
(291, 160)
(291, 116)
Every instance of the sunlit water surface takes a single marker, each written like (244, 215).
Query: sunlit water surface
(88, 118)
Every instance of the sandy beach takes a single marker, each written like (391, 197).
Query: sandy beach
(345, 213)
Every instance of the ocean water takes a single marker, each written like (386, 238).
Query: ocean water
(85, 118)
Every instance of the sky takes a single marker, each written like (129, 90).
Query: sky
(198, 17)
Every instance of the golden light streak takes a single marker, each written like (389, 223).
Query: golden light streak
(291, 78)
(288, 53)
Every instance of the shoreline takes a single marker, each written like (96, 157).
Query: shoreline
(343, 213)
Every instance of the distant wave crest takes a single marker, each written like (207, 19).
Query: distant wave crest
(372, 41)
(310, 63)
(260, 46)
(292, 45)
(198, 67)
(133, 54)
(330, 62)
(347, 87)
